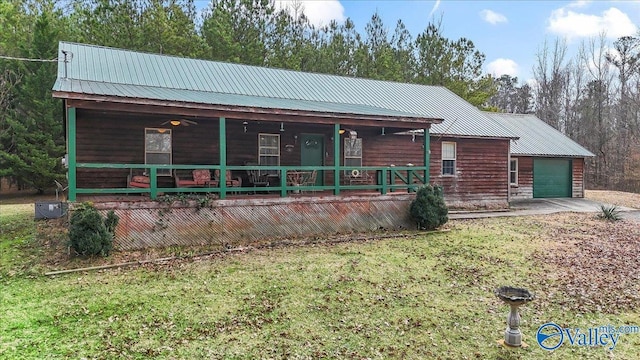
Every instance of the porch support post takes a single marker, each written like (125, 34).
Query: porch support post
(153, 173)
(427, 154)
(336, 159)
(223, 157)
(71, 153)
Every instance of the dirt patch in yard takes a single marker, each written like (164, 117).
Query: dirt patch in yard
(592, 265)
(620, 198)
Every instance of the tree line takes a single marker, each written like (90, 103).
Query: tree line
(255, 32)
(593, 98)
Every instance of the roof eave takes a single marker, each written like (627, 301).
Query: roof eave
(474, 136)
(400, 121)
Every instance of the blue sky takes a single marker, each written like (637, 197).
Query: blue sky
(509, 33)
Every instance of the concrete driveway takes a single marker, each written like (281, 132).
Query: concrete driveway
(546, 206)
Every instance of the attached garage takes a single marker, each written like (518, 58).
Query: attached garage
(552, 178)
(543, 162)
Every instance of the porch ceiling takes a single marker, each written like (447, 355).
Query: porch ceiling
(346, 114)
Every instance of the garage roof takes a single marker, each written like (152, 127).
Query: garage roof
(538, 138)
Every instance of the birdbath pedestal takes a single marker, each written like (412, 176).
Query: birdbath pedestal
(514, 297)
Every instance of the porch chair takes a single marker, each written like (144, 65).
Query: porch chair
(201, 178)
(257, 179)
(230, 181)
(357, 177)
(138, 181)
(310, 179)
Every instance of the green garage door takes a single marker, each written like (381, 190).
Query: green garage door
(551, 178)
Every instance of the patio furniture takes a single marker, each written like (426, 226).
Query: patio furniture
(138, 181)
(229, 180)
(357, 177)
(310, 179)
(201, 178)
(257, 179)
(297, 178)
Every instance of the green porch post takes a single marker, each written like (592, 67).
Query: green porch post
(427, 154)
(336, 159)
(223, 158)
(71, 153)
(153, 173)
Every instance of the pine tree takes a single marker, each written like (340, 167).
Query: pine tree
(32, 141)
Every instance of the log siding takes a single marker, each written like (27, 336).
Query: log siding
(481, 172)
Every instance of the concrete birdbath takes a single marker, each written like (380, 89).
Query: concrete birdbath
(514, 297)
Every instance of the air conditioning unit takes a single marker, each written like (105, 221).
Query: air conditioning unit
(50, 209)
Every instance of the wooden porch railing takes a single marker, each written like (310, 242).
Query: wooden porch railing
(385, 179)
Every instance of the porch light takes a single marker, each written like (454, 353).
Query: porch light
(244, 125)
(281, 127)
(341, 131)
(382, 132)
(175, 122)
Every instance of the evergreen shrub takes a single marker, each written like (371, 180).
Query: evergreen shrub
(428, 209)
(90, 233)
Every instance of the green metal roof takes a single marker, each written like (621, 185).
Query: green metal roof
(538, 138)
(97, 70)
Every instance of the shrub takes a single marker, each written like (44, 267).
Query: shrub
(90, 233)
(428, 209)
(611, 213)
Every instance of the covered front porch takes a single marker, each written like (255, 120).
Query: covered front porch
(138, 150)
(266, 176)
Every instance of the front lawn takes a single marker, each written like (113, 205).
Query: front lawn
(413, 296)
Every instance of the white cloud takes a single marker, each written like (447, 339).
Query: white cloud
(434, 8)
(502, 66)
(579, 3)
(571, 24)
(492, 17)
(319, 12)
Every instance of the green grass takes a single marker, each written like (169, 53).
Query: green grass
(418, 297)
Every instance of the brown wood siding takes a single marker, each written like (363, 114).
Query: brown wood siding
(104, 137)
(481, 170)
(524, 189)
(108, 137)
(111, 137)
(390, 149)
(578, 178)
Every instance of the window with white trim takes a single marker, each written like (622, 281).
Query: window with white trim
(352, 152)
(513, 172)
(448, 158)
(157, 148)
(269, 150)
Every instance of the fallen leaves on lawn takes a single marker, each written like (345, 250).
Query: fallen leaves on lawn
(593, 265)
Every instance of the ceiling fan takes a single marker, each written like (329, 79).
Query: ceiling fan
(180, 122)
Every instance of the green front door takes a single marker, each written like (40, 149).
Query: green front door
(551, 178)
(312, 152)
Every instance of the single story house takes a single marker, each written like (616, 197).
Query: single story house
(283, 152)
(544, 162)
